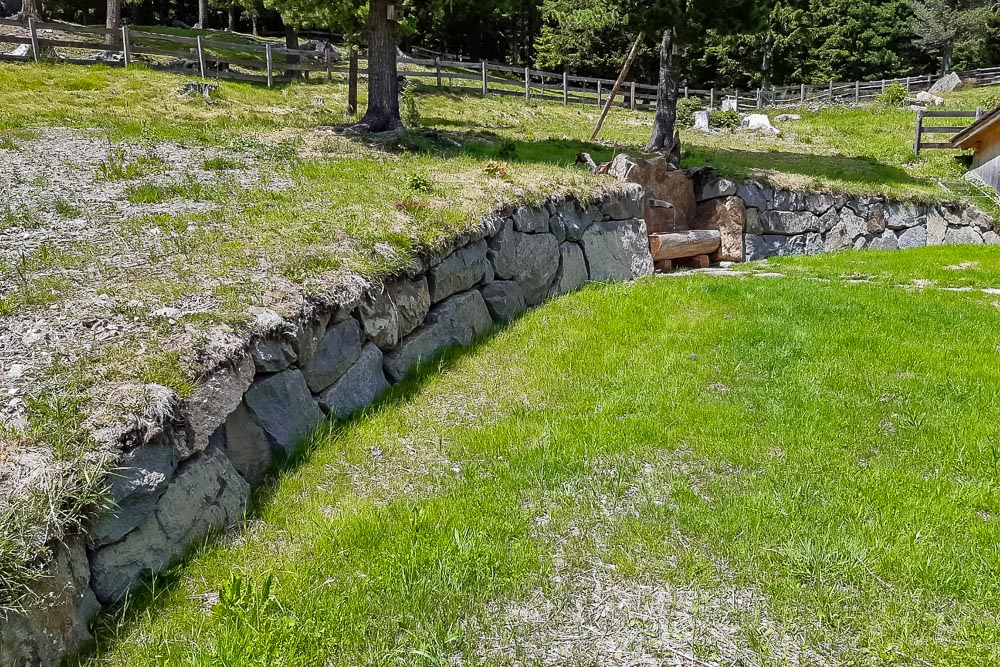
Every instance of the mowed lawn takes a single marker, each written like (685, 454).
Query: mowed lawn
(686, 470)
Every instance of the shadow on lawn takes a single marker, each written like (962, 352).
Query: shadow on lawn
(743, 163)
(115, 625)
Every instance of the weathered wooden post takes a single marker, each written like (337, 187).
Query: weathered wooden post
(267, 57)
(329, 63)
(760, 95)
(486, 84)
(907, 84)
(565, 88)
(802, 93)
(857, 92)
(600, 102)
(201, 58)
(34, 37)
(527, 84)
(920, 130)
(736, 105)
(883, 85)
(437, 70)
(125, 47)
(711, 99)
(829, 93)
(685, 91)
(352, 82)
(632, 102)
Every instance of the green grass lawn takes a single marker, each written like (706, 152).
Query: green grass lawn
(797, 470)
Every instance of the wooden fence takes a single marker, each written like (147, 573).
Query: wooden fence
(919, 143)
(225, 57)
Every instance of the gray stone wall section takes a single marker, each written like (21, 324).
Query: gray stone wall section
(190, 474)
(782, 222)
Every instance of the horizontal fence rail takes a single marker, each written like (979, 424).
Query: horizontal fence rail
(220, 56)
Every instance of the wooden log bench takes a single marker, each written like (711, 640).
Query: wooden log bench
(679, 245)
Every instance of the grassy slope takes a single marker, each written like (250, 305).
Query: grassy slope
(829, 446)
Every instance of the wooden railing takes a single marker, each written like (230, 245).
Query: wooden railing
(270, 62)
(919, 143)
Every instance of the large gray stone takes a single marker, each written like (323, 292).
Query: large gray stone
(456, 321)
(914, 237)
(531, 260)
(413, 301)
(789, 223)
(459, 271)
(845, 232)
(937, 227)
(504, 299)
(379, 319)
(282, 406)
(58, 623)
(359, 386)
(619, 206)
(963, 236)
(904, 215)
(272, 354)
(715, 188)
(884, 241)
(572, 273)
(617, 250)
(574, 218)
(789, 201)
(207, 496)
(754, 196)
(246, 445)
(134, 488)
(752, 224)
(754, 247)
(338, 351)
(819, 203)
(991, 238)
(214, 399)
(769, 245)
(309, 335)
(531, 220)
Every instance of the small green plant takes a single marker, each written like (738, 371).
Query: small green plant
(8, 144)
(243, 602)
(726, 120)
(686, 108)
(421, 183)
(116, 166)
(893, 96)
(146, 193)
(409, 111)
(66, 209)
(222, 164)
(497, 169)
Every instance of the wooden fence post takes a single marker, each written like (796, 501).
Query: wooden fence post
(711, 99)
(857, 92)
(760, 96)
(883, 85)
(34, 37)
(329, 64)
(920, 130)
(201, 58)
(829, 93)
(685, 91)
(527, 84)
(907, 84)
(267, 57)
(736, 108)
(486, 83)
(802, 94)
(565, 88)
(600, 102)
(632, 102)
(437, 70)
(125, 49)
(352, 82)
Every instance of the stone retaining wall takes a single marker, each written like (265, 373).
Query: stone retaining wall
(759, 222)
(188, 466)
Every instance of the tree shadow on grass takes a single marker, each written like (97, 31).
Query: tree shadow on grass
(862, 171)
(154, 593)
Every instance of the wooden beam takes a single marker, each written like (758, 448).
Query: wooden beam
(684, 244)
(618, 84)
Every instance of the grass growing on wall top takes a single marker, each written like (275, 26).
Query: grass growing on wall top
(813, 461)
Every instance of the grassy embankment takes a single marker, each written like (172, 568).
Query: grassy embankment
(762, 469)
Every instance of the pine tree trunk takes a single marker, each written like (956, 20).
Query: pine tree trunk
(113, 22)
(948, 59)
(663, 138)
(202, 14)
(291, 42)
(383, 81)
(232, 18)
(253, 24)
(30, 9)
